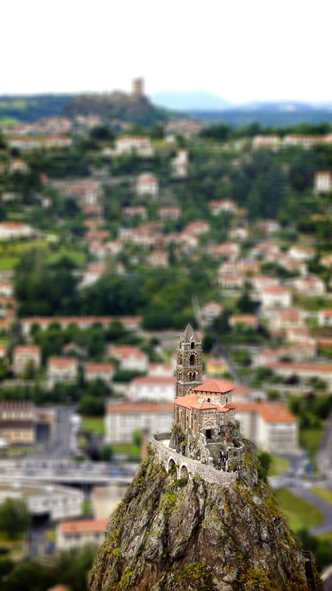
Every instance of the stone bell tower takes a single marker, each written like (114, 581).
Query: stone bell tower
(189, 362)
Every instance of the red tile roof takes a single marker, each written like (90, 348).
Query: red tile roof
(204, 406)
(138, 407)
(216, 386)
(83, 526)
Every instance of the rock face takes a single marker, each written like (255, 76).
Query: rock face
(177, 535)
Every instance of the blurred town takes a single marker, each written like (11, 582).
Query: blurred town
(114, 234)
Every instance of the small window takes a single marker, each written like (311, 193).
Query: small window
(192, 345)
(209, 399)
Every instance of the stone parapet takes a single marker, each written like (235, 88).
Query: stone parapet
(186, 467)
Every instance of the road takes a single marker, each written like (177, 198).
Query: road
(295, 479)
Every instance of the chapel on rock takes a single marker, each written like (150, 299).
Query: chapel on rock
(203, 411)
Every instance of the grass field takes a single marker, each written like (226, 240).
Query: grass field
(8, 263)
(76, 256)
(95, 424)
(323, 493)
(278, 466)
(310, 439)
(300, 513)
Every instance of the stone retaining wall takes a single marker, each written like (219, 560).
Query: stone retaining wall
(186, 467)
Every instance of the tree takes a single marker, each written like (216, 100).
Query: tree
(102, 133)
(14, 517)
(29, 575)
(106, 453)
(265, 460)
(245, 304)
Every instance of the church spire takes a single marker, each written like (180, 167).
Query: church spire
(189, 362)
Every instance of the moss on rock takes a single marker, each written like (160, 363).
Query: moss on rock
(169, 535)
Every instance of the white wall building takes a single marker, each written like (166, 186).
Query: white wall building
(147, 184)
(133, 144)
(123, 419)
(152, 389)
(322, 182)
(269, 425)
(15, 230)
(59, 502)
(130, 358)
(276, 296)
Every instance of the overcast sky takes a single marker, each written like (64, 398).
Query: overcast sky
(240, 50)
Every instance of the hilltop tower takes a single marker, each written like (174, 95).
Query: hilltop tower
(138, 87)
(189, 367)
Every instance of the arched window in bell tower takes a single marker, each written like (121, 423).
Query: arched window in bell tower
(192, 345)
(180, 360)
(192, 359)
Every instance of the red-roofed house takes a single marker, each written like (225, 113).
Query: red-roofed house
(133, 144)
(227, 205)
(210, 312)
(15, 230)
(196, 228)
(310, 286)
(325, 317)
(270, 426)
(76, 534)
(147, 184)
(62, 369)
(244, 321)
(23, 356)
(305, 371)
(322, 182)
(276, 296)
(130, 357)
(169, 213)
(101, 371)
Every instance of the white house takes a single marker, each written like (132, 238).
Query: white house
(62, 369)
(15, 230)
(23, 356)
(152, 389)
(230, 282)
(322, 182)
(133, 144)
(299, 253)
(123, 419)
(310, 286)
(304, 371)
(325, 317)
(276, 296)
(101, 371)
(179, 164)
(226, 205)
(130, 357)
(210, 312)
(147, 184)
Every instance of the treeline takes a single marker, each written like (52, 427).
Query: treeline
(161, 296)
(33, 107)
(71, 569)
(240, 118)
(223, 131)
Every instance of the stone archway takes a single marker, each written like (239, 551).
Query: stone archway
(184, 472)
(170, 464)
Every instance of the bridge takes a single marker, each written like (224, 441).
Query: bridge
(67, 472)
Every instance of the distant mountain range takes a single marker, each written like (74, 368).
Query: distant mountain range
(191, 100)
(199, 100)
